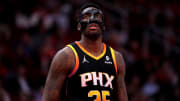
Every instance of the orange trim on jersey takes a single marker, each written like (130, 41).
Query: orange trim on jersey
(77, 61)
(114, 59)
(88, 53)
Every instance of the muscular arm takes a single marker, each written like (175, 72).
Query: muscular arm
(59, 69)
(120, 89)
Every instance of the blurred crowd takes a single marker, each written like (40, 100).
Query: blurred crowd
(146, 32)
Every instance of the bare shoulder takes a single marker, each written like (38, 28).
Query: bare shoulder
(63, 60)
(61, 66)
(120, 62)
(120, 91)
(66, 51)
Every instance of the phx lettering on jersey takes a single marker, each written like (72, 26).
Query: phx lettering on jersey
(94, 78)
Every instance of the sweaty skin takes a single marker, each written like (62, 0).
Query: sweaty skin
(64, 62)
(120, 92)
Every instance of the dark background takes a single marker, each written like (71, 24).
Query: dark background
(146, 32)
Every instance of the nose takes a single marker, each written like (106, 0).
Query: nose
(92, 17)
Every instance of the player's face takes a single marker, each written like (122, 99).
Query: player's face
(92, 18)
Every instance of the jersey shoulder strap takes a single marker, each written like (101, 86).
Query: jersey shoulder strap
(72, 46)
(114, 59)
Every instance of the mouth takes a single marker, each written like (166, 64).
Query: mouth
(93, 26)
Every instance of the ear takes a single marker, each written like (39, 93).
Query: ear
(79, 27)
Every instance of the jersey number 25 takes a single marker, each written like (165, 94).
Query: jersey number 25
(98, 95)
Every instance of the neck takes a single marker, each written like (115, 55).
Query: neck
(94, 46)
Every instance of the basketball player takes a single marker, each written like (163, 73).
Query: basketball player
(87, 70)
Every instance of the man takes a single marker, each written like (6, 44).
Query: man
(87, 70)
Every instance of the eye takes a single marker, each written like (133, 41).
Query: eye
(98, 16)
(86, 16)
